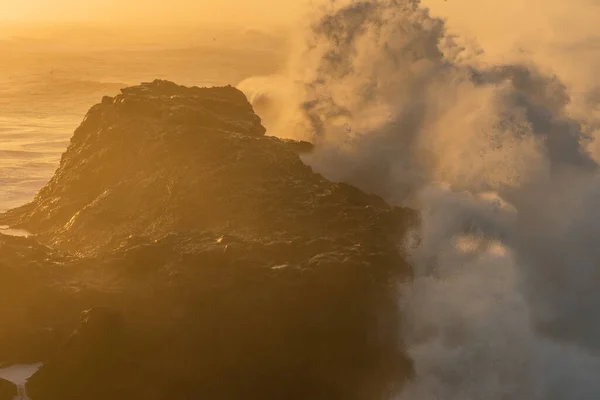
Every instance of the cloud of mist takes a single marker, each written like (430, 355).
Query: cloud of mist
(495, 156)
(560, 36)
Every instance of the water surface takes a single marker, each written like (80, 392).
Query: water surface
(19, 373)
(6, 230)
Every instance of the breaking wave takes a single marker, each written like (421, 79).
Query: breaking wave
(506, 257)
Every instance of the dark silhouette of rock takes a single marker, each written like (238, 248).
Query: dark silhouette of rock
(98, 327)
(226, 267)
(97, 349)
(34, 287)
(8, 390)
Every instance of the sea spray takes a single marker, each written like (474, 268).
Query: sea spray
(504, 293)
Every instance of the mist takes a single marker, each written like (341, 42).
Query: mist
(560, 37)
(495, 149)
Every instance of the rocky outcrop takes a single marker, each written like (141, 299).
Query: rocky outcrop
(98, 328)
(35, 287)
(8, 390)
(226, 267)
(97, 350)
(161, 158)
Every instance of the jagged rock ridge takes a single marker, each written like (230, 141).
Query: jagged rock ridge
(172, 207)
(160, 157)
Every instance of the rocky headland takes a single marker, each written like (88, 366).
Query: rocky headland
(181, 253)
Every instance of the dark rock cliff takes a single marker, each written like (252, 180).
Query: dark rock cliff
(227, 266)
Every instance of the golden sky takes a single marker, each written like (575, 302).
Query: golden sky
(560, 35)
(150, 11)
(499, 26)
(495, 17)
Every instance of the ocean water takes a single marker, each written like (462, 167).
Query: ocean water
(19, 375)
(45, 91)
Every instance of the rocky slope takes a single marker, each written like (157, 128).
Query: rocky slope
(226, 267)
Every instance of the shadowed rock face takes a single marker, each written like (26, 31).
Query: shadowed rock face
(227, 267)
(29, 273)
(8, 390)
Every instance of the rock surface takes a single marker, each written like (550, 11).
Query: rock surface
(224, 266)
(35, 289)
(8, 390)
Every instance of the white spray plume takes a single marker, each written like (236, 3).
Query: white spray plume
(506, 270)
